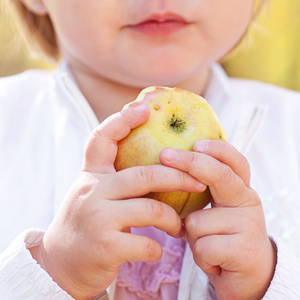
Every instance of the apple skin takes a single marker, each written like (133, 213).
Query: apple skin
(178, 118)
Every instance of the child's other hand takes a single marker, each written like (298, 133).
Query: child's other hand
(90, 236)
(229, 241)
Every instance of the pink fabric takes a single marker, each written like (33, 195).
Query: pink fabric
(160, 280)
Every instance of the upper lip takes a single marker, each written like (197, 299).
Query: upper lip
(164, 17)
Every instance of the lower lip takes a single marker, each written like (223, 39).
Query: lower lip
(159, 28)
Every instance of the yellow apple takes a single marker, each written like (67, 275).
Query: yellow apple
(177, 119)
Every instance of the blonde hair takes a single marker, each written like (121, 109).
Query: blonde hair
(39, 33)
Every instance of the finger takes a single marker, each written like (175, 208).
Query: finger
(144, 212)
(226, 187)
(211, 253)
(207, 222)
(141, 180)
(135, 248)
(226, 153)
(101, 148)
(220, 221)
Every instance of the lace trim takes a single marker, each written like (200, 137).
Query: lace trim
(146, 279)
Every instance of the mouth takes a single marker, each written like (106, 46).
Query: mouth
(160, 24)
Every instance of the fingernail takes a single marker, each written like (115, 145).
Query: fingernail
(201, 146)
(169, 154)
(141, 108)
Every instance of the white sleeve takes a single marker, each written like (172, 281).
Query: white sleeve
(286, 281)
(21, 277)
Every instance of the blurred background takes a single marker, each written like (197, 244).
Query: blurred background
(270, 53)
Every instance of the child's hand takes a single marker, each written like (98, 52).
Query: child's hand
(229, 241)
(90, 237)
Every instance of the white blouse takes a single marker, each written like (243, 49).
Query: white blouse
(44, 124)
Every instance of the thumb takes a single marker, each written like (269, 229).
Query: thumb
(102, 145)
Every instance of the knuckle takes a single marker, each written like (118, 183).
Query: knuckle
(255, 199)
(191, 158)
(184, 179)
(244, 163)
(155, 209)
(145, 174)
(225, 173)
(101, 133)
(107, 242)
(199, 248)
(190, 223)
(150, 249)
(89, 180)
(129, 117)
(250, 198)
(83, 188)
(189, 184)
(247, 247)
(125, 119)
(97, 132)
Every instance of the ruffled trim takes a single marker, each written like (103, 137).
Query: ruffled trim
(145, 279)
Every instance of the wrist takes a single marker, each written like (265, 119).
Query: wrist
(38, 253)
(19, 270)
(272, 261)
(54, 265)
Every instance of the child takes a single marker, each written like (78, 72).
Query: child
(102, 234)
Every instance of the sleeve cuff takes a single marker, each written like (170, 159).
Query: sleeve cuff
(21, 277)
(286, 281)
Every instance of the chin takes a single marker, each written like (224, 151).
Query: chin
(170, 79)
(164, 64)
(164, 76)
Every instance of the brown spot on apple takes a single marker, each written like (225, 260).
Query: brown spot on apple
(156, 106)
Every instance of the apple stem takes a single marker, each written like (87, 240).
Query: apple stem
(177, 124)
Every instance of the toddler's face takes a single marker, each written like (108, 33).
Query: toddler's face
(147, 42)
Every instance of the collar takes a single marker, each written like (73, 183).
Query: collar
(240, 117)
(69, 84)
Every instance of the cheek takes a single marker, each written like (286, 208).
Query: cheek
(82, 24)
(93, 39)
(226, 29)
